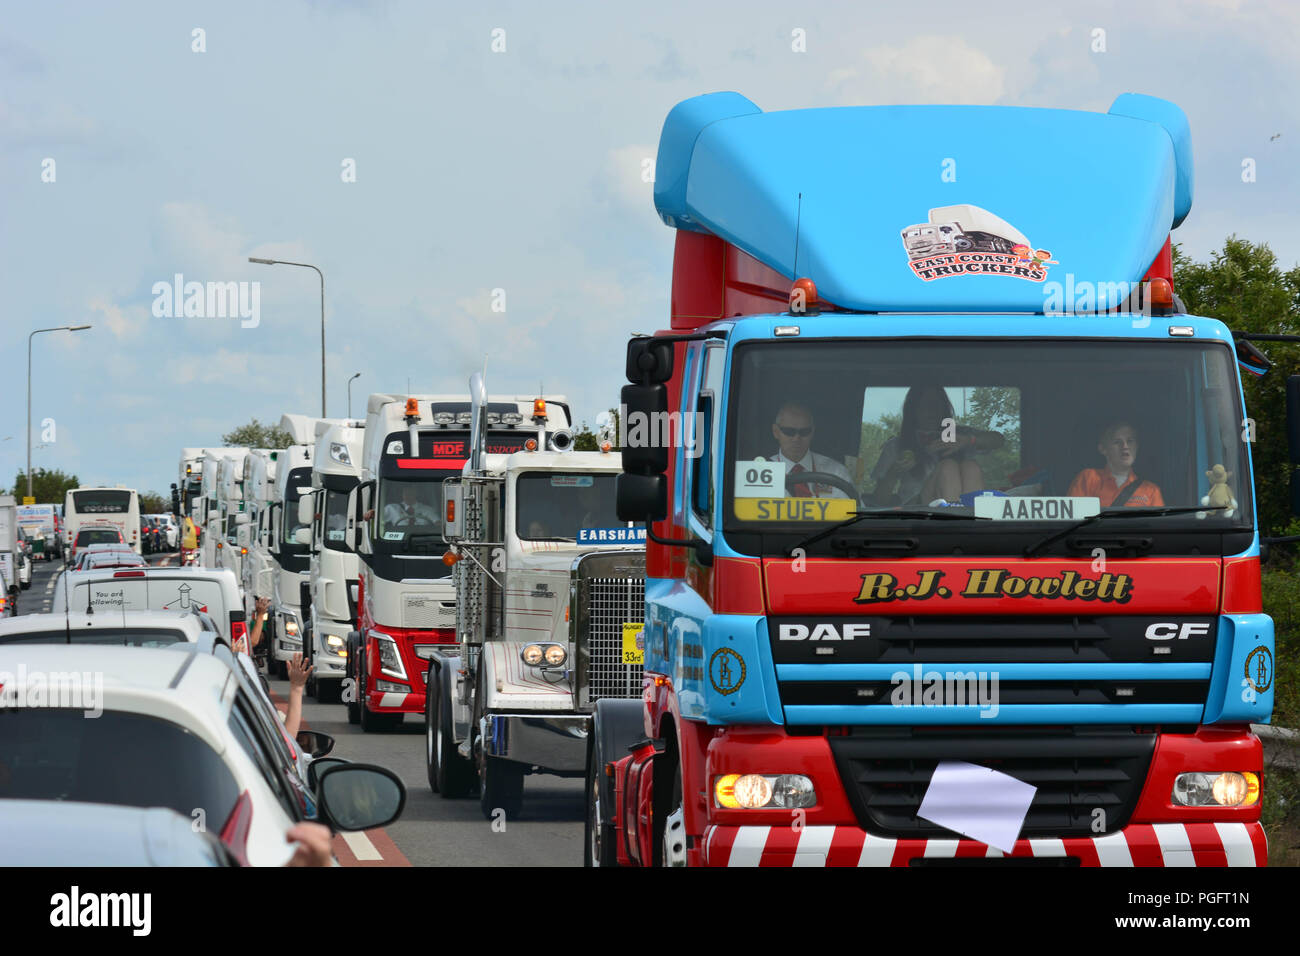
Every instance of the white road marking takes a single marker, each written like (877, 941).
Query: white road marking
(361, 846)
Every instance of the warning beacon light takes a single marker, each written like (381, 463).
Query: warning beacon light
(539, 410)
(803, 297)
(412, 408)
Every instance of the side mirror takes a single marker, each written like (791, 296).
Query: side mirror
(358, 796)
(649, 360)
(645, 451)
(306, 509)
(314, 742)
(319, 766)
(242, 518)
(302, 536)
(641, 497)
(360, 501)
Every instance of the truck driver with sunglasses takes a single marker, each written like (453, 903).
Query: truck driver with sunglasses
(793, 430)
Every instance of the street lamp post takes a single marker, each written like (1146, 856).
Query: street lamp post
(57, 328)
(358, 375)
(308, 265)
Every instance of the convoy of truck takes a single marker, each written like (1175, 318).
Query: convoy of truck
(847, 584)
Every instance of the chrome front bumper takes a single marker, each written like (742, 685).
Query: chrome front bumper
(556, 743)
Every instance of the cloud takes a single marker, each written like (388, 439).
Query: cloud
(623, 171)
(124, 321)
(925, 69)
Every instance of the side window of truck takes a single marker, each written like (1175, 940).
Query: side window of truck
(708, 410)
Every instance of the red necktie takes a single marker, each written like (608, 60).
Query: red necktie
(800, 490)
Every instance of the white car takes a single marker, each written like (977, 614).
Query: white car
(111, 626)
(209, 590)
(171, 533)
(171, 729)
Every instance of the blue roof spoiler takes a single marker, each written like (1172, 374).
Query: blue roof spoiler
(682, 128)
(1174, 120)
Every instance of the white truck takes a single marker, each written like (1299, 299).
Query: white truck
(406, 602)
(208, 514)
(335, 571)
(9, 556)
(45, 520)
(550, 592)
(289, 559)
(231, 509)
(257, 564)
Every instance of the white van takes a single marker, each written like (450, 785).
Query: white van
(210, 591)
(119, 507)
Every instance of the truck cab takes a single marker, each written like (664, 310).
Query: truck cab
(937, 509)
(549, 588)
(334, 569)
(406, 604)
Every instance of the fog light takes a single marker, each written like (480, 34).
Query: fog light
(1230, 789)
(389, 687)
(532, 654)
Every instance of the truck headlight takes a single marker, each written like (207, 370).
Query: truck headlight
(290, 627)
(1229, 789)
(754, 791)
(551, 655)
(333, 640)
(389, 660)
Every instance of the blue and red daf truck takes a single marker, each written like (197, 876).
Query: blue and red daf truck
(938, 477)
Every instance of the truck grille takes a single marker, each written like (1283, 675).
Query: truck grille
(608, 591)
(1076, 773)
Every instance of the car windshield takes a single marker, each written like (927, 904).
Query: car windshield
(1008, 431)
(550, 506)
(57, 754)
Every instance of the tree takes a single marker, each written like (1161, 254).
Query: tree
(48, 487)
(587, 439)
(257, 435)
(152, 503)
(1243, 287)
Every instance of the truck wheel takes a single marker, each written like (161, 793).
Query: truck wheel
(501, 787)
(431, 741)
(598, 841)
(354, 705)
(371, 722)
(449, 773)
(672, 852)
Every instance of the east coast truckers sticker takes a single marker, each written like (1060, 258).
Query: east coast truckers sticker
(968, 240)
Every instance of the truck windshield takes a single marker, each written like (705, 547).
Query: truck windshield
(336, 519)
(998, 432)
(410, 515)
(555, 507)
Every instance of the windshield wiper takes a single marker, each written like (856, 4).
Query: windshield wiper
(1034, 550)
(857, 516)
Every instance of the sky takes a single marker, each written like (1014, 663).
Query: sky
(441, 161)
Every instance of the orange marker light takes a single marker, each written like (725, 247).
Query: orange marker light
(1161, 293)
(539, 408)
(450, 558)
(451, 512)
(531, 444)
(803, 296)
(412, 408)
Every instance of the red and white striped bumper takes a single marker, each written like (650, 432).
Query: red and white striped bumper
(1139, 844)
